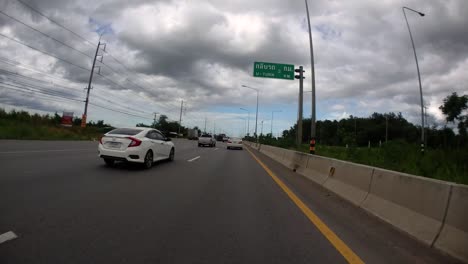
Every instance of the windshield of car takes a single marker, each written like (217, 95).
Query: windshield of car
(125, 131)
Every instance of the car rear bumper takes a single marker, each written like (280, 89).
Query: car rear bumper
(234, 145)
(130, 154)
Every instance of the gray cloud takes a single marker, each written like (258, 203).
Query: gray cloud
(203, 50)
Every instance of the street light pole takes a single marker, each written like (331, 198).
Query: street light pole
(248, 119)
(271, 130)
(261, 133)
(419, 75)
(312, 65)
(256, 115)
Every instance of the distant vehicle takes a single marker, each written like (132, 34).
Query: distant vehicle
(220, 137)
(234, 143)
(192, 134)
(206, 140)
(137, 144)
(225, 139)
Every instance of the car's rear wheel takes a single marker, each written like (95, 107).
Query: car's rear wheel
(228, 148)
(199, 145)
(148, 163)
(109, 162)
(172, 155)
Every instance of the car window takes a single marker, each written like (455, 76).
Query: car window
(125, 131)
(151, 134)
(159, 136)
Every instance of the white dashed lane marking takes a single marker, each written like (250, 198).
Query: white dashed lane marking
(190, 160)
(7, 236)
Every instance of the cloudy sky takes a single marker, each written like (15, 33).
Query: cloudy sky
(160, 52)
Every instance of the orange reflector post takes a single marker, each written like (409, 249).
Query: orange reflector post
(312, 146)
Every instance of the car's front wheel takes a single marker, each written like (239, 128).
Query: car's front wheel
(172, 155)
(148, 162)
(109, 162)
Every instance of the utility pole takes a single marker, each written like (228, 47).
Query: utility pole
(271, 129)
(300, 104)
(205, 124)
(386, 129)
(355, 130)
(180, 116)
(312, 64)
(154, 120)
(261, 133)
(85, 114)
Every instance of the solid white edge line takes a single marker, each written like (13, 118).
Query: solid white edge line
(190, 160)
(7, 236)
(38, 151)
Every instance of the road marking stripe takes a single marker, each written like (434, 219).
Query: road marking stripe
(190, 160)
(344, 250)
(216, 149)
(7, 236)
(38, 151)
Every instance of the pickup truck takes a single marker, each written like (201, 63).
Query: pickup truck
(206, 140)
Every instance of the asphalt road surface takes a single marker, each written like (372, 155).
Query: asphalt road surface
(211, 205)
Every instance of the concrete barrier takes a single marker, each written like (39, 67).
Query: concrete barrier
(454, 236)
(316, 168)
(413, 204)
(299, 161)
(432, 211)
(288, 159)
(350, 181)
(268, 150)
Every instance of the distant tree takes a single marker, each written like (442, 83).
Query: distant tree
(142, 125)
(453, 108)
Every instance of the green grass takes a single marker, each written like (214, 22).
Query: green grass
(443, 164)
(10, 129)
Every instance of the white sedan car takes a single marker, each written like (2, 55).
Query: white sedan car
(137, 144)
(234, 143)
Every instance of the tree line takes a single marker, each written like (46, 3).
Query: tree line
(379, 128)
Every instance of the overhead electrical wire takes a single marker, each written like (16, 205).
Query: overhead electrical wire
(85, 40)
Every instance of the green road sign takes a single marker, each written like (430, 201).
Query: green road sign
(273, 70)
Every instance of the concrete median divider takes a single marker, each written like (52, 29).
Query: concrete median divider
(432, 211)
(350, 181)
(316, 169)
(453, 238)
(413, 204)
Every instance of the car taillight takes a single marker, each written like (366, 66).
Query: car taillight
(229, 141)
(135, 142)
(100, 140)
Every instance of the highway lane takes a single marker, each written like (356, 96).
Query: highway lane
(67, 207)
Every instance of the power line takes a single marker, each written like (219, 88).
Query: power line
(16, 87)
(25, 90)
(44, 52)
(13, 63)
(110, 109)
(58, 24)
(63, 43)
(55, 22)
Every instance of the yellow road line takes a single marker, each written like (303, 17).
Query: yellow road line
(344, 250)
